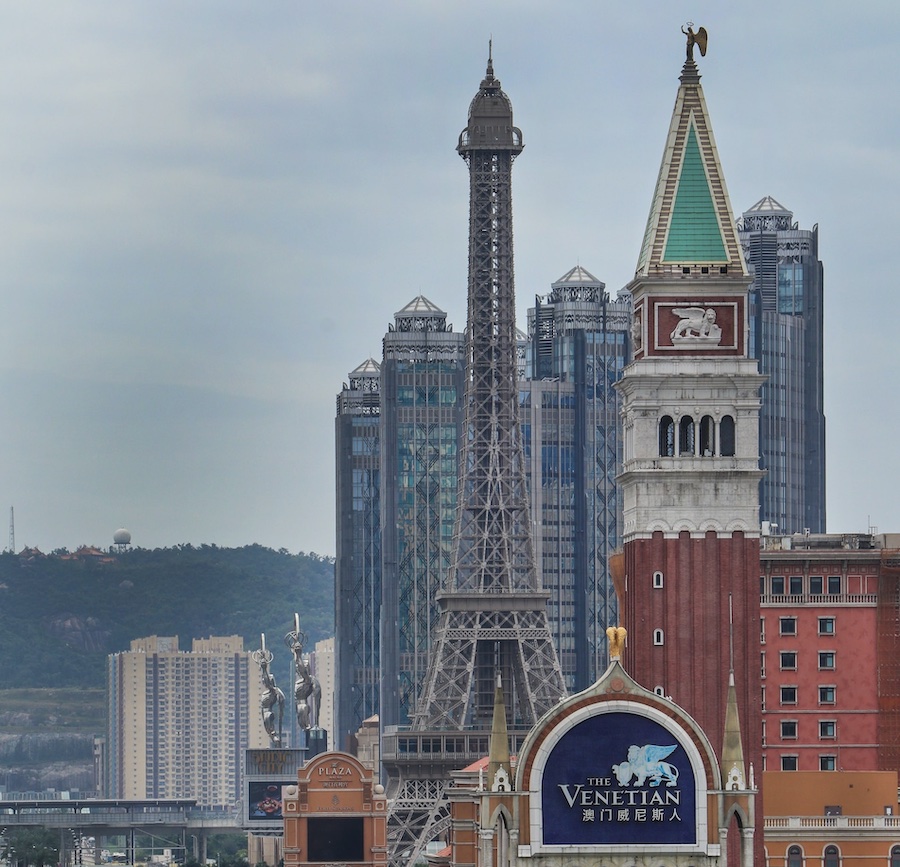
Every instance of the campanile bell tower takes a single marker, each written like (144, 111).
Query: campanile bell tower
(690, 479)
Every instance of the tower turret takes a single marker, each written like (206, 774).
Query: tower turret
(690, 480)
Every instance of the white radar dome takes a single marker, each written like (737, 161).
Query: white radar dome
(122, 537)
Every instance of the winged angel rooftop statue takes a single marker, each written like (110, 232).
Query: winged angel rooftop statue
(699, 39)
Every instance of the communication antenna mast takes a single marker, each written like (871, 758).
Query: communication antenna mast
(12, 531)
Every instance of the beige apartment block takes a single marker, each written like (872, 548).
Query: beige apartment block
(179, 721)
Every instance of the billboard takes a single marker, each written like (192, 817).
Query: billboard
(619, 778)
(264, 802)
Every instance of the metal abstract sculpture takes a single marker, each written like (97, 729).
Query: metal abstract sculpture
(307, 690)
(272, 696)
(699, 39)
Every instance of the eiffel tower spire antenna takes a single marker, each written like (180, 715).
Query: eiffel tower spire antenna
(493, 618)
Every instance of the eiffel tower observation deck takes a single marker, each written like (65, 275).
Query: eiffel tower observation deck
(493, 618)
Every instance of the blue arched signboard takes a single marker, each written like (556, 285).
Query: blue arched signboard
(618, 778)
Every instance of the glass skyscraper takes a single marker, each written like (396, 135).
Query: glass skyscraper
(357, 565)
(421, 414)
(786, 327)
(577, 347)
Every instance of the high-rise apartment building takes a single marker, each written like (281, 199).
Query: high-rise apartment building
(357, 566)
(786, 327)
(180, 721)
(578, 344)
(421, 413)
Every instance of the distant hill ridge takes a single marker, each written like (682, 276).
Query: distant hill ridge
(61, 615)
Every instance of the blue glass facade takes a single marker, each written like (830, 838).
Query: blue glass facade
(786, 329)
(358, 561)
(577, 347)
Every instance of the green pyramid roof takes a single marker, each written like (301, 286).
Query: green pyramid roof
(690, 221)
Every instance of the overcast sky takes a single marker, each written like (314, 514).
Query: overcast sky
(210, 211)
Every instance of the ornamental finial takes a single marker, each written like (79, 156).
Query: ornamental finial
(699, 39)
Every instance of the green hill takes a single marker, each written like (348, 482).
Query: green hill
(59, 617)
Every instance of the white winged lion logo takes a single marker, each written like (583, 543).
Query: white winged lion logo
(646, 762)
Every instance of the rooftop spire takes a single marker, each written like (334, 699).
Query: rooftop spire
(499, 767)
(690, 220)
(732, 746)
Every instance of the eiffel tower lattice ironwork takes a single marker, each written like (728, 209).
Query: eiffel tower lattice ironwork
(493, 617)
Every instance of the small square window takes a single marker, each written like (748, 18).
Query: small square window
(789, 695)
(788, 660)
(787, 625)
(826, 626)
(796, 585)
(826, 695)
(789, 728)
(826, 659)
(789, 763)
(834, 585)
(827, 728)
(815, 585)
(778, 585)
(827, 763)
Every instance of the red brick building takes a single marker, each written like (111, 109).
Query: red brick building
(830, 651)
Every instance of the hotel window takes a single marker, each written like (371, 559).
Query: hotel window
(826, 694)
(789, 728)
(789, 695)
(895, 856)
(827, 763)
(826, 626)
(788, 660)
(789, 763)
(832, 856)
(787, 625)
(796, 585)
(826, 659)
(795, 857)
(815, 585)
(827, 728)
(834, 585)
(778, 585)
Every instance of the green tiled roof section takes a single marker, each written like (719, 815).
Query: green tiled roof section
(694, 234)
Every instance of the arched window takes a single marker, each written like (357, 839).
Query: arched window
(795, 857)
(658, 637)
(666, 436)
(895, 856)
(707, 436)
(660, 691)
(726, 435)
(832, 856)
(686, 435)
(657, 580)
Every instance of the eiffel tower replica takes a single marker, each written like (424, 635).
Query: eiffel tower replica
(493, 618)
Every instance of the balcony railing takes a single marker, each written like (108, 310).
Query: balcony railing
(824, 822)
(819, 599)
